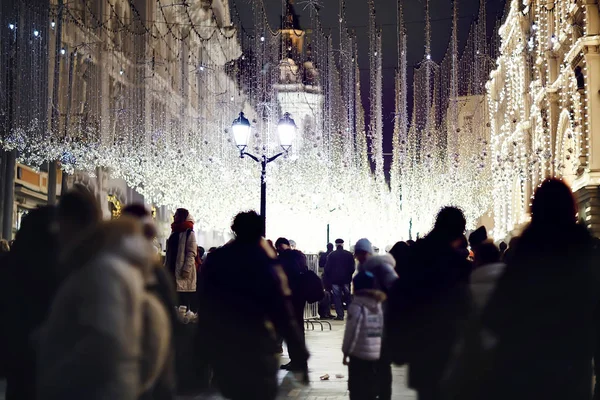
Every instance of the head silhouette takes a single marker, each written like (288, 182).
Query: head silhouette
(553, 204)
(450, 223)
(248, 226)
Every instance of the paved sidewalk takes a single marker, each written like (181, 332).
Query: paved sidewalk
(326, 358)
(325, 348)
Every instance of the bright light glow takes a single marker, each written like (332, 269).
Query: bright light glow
(11, 26)
(287, 131)
(36, 33)
(429, 56)
(202, 68)
(63, 51)
(241, 131)
(262, 38)
(52, 24)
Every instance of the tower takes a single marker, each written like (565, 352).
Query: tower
(298, 89)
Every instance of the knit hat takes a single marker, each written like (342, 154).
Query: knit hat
(364, 280)
(363, 245)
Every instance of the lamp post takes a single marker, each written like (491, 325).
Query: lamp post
(241, 134)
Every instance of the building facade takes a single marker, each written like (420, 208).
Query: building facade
(543, 100)
(120, 72)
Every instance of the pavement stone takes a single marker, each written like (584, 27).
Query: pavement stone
(326, 358)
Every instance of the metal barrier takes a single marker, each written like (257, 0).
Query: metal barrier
(311, 311)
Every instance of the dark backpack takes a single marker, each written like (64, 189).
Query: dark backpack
(312, 287)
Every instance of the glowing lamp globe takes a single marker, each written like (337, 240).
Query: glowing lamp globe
(241, 132)
(287, 131)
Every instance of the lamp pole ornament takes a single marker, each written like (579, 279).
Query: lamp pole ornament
(286, 128)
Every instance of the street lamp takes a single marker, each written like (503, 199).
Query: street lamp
(241, 134)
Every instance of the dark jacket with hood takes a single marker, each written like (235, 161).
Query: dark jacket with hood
(543, 317)
(294, 266)
(245, 301)
(339, 268)
(427, 309)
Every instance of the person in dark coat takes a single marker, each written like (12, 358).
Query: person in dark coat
(246, 302)
(294, 265)
(400, 253)
(29, 282)
(543, 313)
(323, 257)
(339, 269)
(429, 304)
(325, 304)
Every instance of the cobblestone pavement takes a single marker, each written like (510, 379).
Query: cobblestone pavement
(326, 358)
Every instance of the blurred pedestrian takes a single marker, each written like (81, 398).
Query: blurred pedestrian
(487, 270)
(362, 338)
(199, 258)
(339, 269)
(543, 314)
(244, 289)
(400, 253)
(323, 257)
(502, 247)
(106, 336)
(29, 282)
(160, 283)
(429, 305)
(382, 268)
(181, 255)
(78, 211)
(294, 265)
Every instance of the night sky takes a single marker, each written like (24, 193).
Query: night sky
(414, 19)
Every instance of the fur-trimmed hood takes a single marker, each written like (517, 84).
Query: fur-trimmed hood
(383, 269)
(377, 295)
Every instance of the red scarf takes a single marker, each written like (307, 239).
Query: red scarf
(182, 226)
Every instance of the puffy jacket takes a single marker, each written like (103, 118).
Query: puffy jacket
(104, 337)
(364, 329)
(184, 259)
(339, 268)
(383, 267)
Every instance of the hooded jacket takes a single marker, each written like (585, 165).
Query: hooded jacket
(383, 267)
(364, 328)
(104, 338)
(183, 261)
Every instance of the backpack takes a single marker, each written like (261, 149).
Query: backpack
(312, 287)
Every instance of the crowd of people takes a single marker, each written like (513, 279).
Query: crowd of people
(91, 310)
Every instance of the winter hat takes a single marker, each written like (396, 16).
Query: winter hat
(364, 280)
(478, 237)
(363, 245)
(339, 241)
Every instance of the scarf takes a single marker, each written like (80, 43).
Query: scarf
(182, 226)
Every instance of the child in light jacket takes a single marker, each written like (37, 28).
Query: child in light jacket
(362, 338)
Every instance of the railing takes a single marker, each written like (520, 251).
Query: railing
(311, 311)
